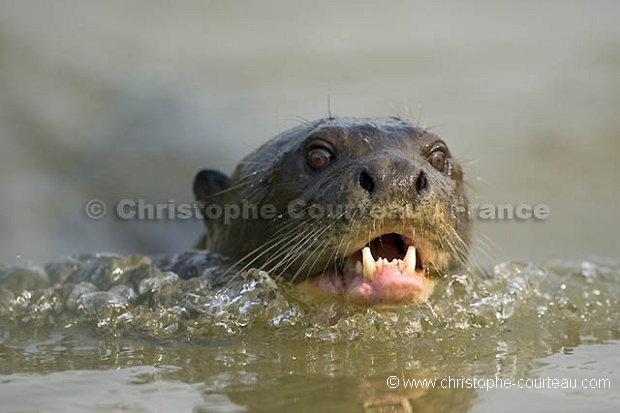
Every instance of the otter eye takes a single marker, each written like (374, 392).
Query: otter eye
(318, 158)
(438, 159)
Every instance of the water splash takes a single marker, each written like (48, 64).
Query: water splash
(519, 304)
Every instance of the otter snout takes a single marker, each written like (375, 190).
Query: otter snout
(386, 175)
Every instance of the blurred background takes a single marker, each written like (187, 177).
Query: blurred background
(112, 100)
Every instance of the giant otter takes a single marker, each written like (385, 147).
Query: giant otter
(372, 209)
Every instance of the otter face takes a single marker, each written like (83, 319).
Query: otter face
(370, 209)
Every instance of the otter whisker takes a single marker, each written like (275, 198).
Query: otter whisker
(253, 163)
(430, 307)
(485, 241)
(338, 250)
(272, 243)
(292, 254)
(244, 181)
(289, 254)
(265, 248)
(299, 119)
(302, 267)
(293, 235)
(326, 243)
(457, 243)
(314, 238)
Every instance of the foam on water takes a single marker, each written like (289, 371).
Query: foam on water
(541, 307)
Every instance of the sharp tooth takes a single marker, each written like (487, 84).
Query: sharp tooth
(410, 258)
(369, 264)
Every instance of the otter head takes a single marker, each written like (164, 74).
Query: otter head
(373, 209)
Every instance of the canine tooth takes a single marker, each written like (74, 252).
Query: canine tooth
(358, 267)
(369, 264)
(410, 258)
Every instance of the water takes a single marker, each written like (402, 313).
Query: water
(110, 333)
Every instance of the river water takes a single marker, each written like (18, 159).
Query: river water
(112, 101)
(107, 333)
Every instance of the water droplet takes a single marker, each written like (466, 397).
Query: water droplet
(588, 269)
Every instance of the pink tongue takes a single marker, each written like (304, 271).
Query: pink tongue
(388, 286)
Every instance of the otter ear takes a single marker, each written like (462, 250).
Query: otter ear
(208, 185)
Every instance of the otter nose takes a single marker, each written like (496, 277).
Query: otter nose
(393, 175)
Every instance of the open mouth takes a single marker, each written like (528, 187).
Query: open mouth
(387, 270)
